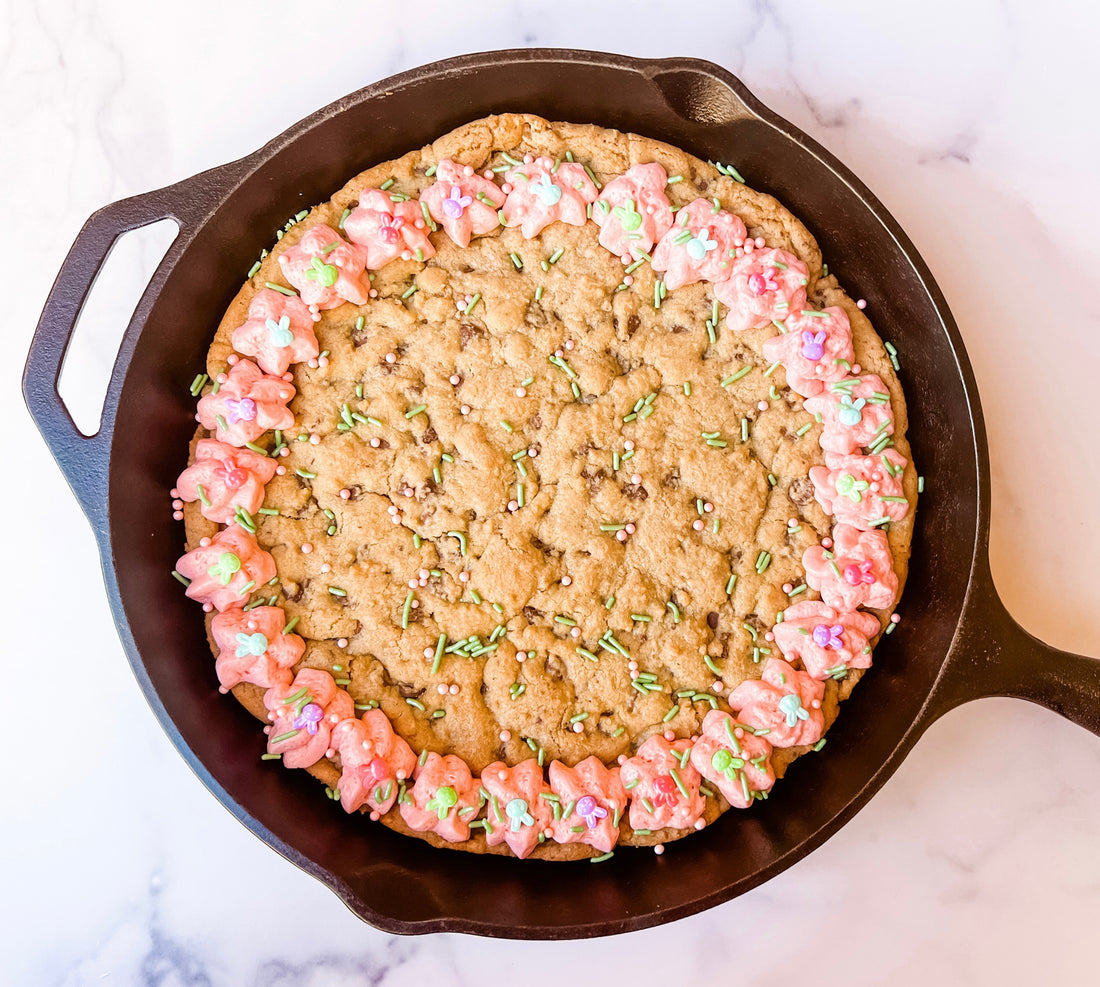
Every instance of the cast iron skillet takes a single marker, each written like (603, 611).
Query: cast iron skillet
(955, 643)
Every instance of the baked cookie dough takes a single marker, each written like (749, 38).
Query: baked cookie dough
(546, 482)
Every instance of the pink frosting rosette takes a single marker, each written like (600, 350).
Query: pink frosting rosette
(700, 245)
(858, 571)
(373, 762)
(856, 411)
(764, 286)
(277, 332)
(543, 192)
(633, 212)
(225, 569)
(784, 702)
(591, 799)
(516, 815)
(247, 404)
(826, 640)
(735, 760)
(462, 202)
(857, 490)
(326, 269)
(444, 798)
(386, 229)
(663, 789)
(253, 648)
(303, 715)
(814, 351)
(225, 478)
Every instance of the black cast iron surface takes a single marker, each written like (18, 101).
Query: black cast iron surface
(956, 642)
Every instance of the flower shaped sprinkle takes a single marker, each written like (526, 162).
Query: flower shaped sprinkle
(633, 211)
(764, 286)
(389, 228)
(463, 202)
(326, 270)
(248, 403)
(225, 479)
(663, 785)
(545, 191)
(374, 762)
(826, 640)
(856, 412)
(815, 351)
(277, 332)
(427, 808)
(516, 814)
(783, 703)
(857, 571)
(253, 647)
(733, 758)
(700, 246)
(303, 716)
(861, 490)
(224, 570)
(588, 801)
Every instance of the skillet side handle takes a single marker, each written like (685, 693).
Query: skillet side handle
(995, 656)
(83, 458)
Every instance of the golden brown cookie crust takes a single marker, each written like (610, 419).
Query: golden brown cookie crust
(622, 349)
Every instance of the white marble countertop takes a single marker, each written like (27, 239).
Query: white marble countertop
(976, 863)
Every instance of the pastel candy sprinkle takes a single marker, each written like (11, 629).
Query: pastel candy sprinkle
(700, 244)
(309, 718)
(851, 412)
(279, 332)
(444, 799)
(455, 204)
(224, 569)
(243, 410)
(547, 191)
(251, 644)
(791, 706)
(590, 811)
(813, 347)
(516, 811)
(829, 637)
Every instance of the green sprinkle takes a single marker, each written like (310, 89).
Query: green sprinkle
(587, 654)
(181, 577)
(804, 429)
(730, 584)
(675, 611)
(603, 856)
(538, 293)
(405, 611)
(643, 617)
(475, 596)
(516, 261)
(428, 172)
(507, 426)
(744, 430)
(568, 621)
(920, 484)
(819, 744)
(336, 591)
(284, 736)
(413, 412)
(416, 704)
(280, 288)
(800, 588)
(305, 474)
(521, 494)
(736, 376)
(893, 500)
(198, 384)
(717, 443)
(579, 718)
(609, 602)
(556, 255)
(409, 291)
(473, 303)
(416, 540)
(670, 714)
(815, 313)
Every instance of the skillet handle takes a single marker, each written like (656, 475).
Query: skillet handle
(83, 458)
(994, 656)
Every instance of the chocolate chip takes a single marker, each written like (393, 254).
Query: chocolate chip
(532, 614)
(554, 668)
(635, 491)
(712, 620)
(383, 444)
(409, 691)
(632, 325)
(468, 331)
(680, 328)
(430, 435)
(702, 184)
(801, 491)
(672, 480)
(535, 423)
